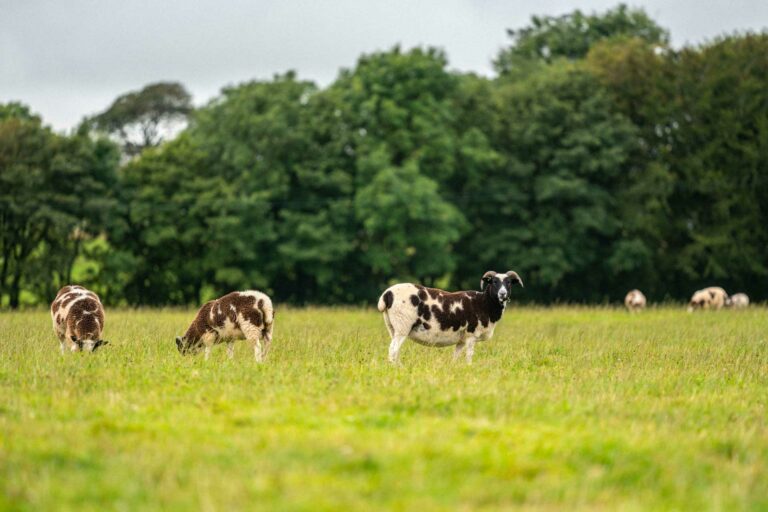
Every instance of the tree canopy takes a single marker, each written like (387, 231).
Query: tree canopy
(598, 160)
(143, 119)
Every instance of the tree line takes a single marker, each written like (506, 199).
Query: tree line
(598, 159)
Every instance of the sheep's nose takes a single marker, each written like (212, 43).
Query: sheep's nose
(502, 295)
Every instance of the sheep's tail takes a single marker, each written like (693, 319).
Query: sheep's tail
(385, 301)
(268, 313)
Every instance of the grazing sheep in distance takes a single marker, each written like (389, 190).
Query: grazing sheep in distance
(713, 297)
(634, 301)
(739, 301)
(438, 318)
(78, 319)
(238, 315)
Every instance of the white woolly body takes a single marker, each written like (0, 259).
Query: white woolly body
(402, 315)
(714, 297)
(244, 329)
(635, 300)
(69, 296)
(227, 319)
(739, 300)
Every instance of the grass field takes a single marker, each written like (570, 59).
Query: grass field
(565, 408)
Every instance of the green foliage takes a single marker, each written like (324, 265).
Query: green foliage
(563, 409)
(397, 197)
(571, 36)
(55, 192)
(701, 114)
(599, 160)
(140, 119)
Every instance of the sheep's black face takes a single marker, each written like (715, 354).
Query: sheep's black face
(88, 345)
(185, 347)
(500, 285)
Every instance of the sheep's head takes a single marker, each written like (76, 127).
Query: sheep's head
(185, 346)
(696, 303)
(87, 345)
(499, 285)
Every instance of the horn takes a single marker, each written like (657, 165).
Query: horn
(515, 278)
(486, 278)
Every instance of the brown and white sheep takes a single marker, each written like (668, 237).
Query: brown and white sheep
(238, 315)
(739, 301)
(78, 319)
(438, 318)
(713, 297)
(634, 301)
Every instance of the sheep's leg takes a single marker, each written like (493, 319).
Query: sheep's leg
(458, 350)
(470, 351)
(254, 336)
(62, 345)
(394, 348)
(230, 349)
(258, 349)
(267, 343)
(208, 340)
(388, 324)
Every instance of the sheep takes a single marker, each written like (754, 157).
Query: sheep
(738, 301)
(634, 301)
(713, 297)
(238, 315)
(78, 319)
(438, 318)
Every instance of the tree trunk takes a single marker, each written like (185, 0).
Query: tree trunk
(15, 290)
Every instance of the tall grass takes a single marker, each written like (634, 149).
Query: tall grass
(571, 407)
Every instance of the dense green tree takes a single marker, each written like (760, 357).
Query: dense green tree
(570, 36)
(719, 143)
(55, 192)
(566, 156)
(143, 119)
(701, 197)
(598, 160)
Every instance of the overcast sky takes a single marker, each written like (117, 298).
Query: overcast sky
(68, 59)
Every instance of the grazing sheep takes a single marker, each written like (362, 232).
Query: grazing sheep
(634, 301)
(739, 301)
(237, 315)
(438, 318)
(78, 319)
(713, 297)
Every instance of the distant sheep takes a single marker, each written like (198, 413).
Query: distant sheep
(78, 319)
(739, 301)
(713, 297)
(438, 318)
(238, 315)
(634, 301)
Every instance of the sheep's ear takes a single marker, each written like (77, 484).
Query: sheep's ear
(515, 278)
(98, 344)
(487, 279)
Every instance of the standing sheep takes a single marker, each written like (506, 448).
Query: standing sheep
(634, 301)
(78, 319)
(438, 318)
(235, 316)
(739, 301)
(713, 297)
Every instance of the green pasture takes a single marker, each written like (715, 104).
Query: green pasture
(566, 408)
